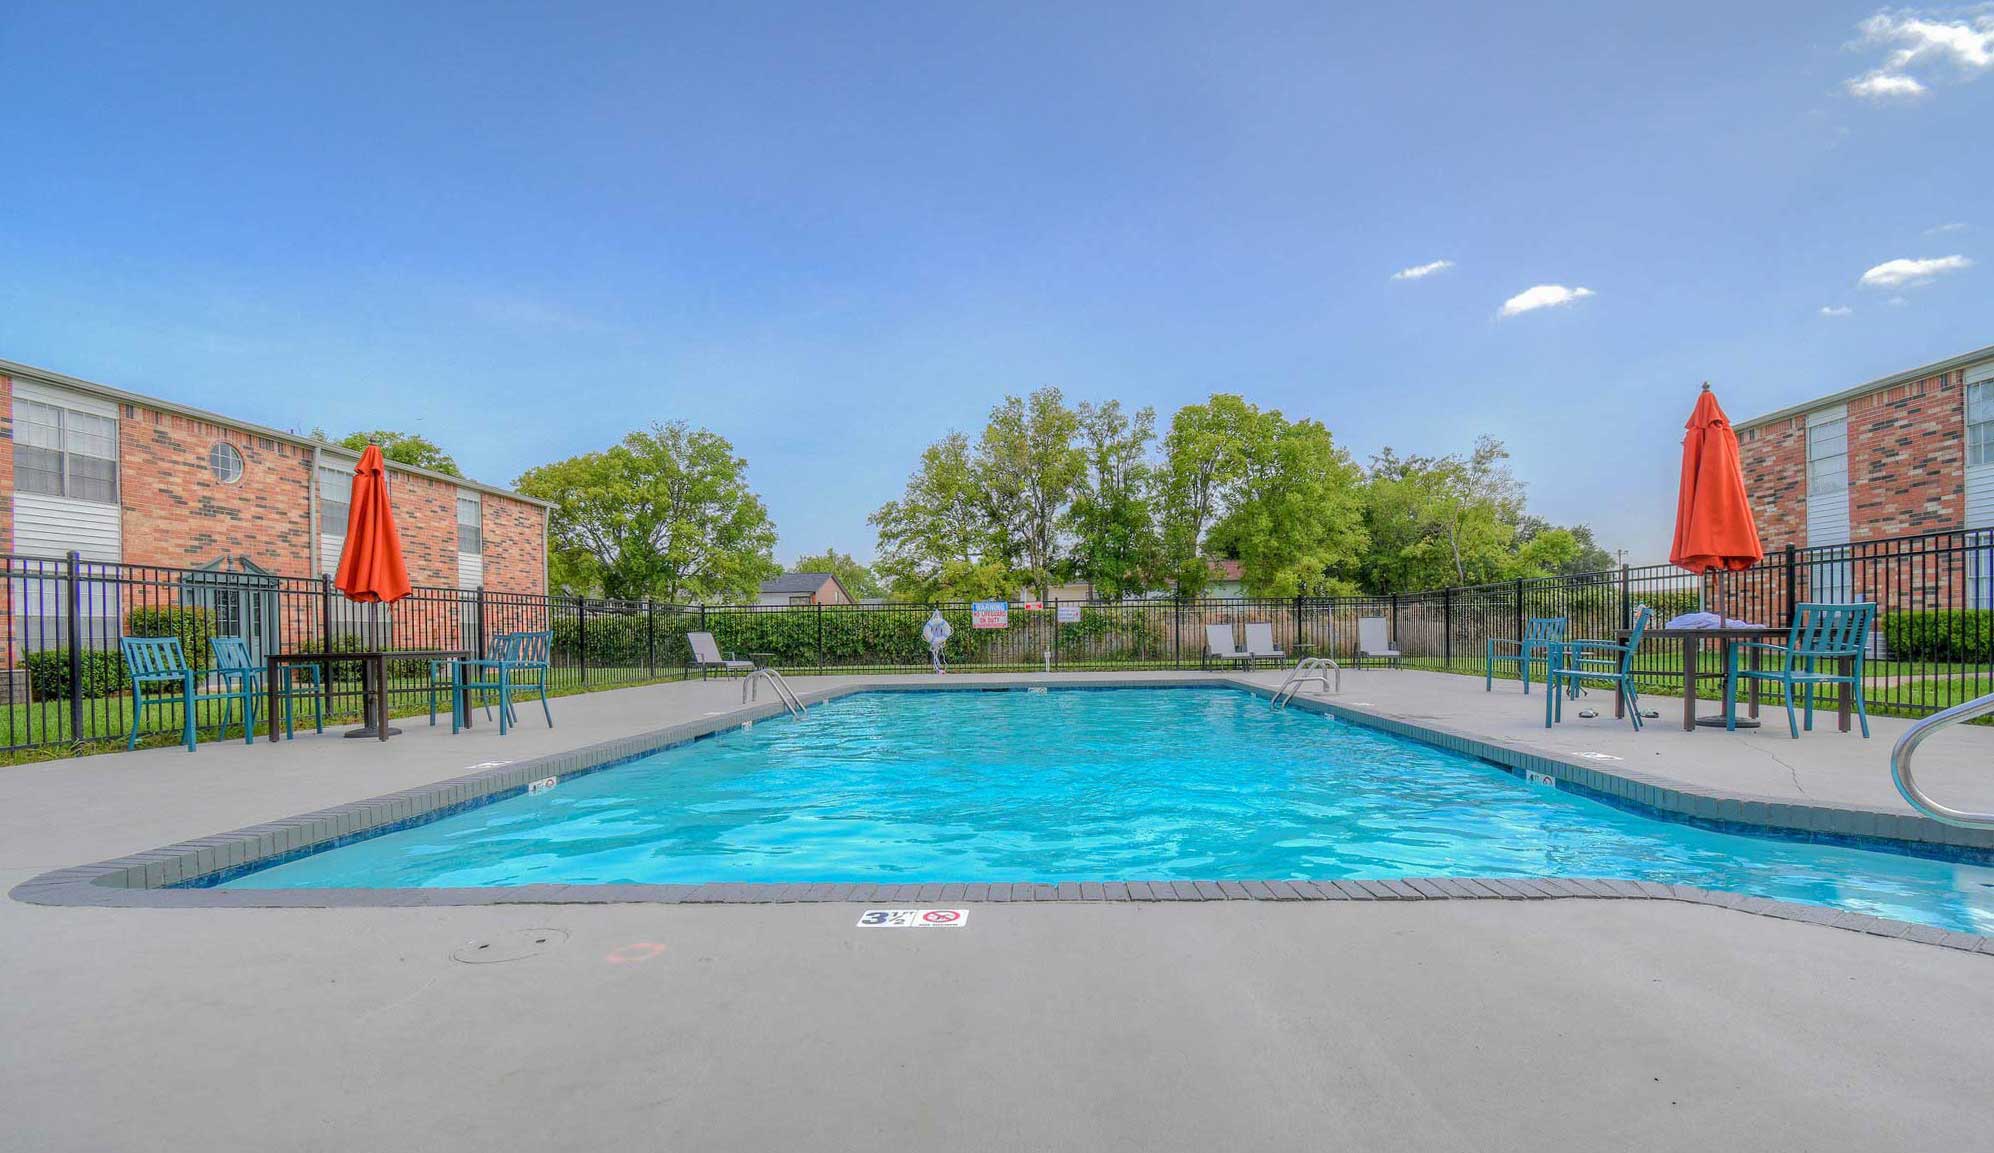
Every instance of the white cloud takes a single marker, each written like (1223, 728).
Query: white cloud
(1919, 40)
(1885, 86)
(1836, 310)
(1948, 226)
(1900, 272)
(1542, 296)
(1419, 270)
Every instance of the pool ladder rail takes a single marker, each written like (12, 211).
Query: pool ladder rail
(1907, 745)
(751, 690)
(1306, 670)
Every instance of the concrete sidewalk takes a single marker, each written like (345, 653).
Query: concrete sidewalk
(1491, 1025)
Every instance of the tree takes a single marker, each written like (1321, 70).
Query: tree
(408, 448)
(1294, 512)
(1028, 469)
(1442, 520)
(936, 542)
(1117, 548)
(857, 579)
(1203, 456)
(1583, 555)
(665, 514)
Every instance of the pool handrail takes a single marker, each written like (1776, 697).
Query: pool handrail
(1308, 669)
(751, 690)
(1907, 745)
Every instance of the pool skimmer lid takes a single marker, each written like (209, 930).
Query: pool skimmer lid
(511, 945)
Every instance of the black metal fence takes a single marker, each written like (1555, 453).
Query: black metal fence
(1933, 643)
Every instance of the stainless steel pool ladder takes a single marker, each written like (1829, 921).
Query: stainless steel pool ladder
(751, 690)
(1317, 669)
(1907, 785)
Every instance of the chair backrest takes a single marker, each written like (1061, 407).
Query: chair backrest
(153, 656)
(232, 653)
(1220, 639)
(1374, 635)
(1260, 638)
(704, 651)
(1544, 629)
(523, 648)
(1830, 630)
(1642, 614)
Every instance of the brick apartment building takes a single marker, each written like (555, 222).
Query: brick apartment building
(1907, 454)
(119, 477)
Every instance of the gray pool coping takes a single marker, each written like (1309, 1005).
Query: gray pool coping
(172, 876)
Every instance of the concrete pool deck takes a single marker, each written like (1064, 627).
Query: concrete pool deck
(1229, 1024)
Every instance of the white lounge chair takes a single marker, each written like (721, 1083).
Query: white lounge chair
(1260, 642)
(706, 656)
(1220, 645)
(1374, 640)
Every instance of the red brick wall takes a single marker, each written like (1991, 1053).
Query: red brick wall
(1774, 457)
(1907, 459)
(515, 546)
(426, 516)
(177, 513)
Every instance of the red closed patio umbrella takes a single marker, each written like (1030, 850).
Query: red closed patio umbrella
(1714, 528)
(370, 564)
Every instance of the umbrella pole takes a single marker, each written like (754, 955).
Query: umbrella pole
(372, 719)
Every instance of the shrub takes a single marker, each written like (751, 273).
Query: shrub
(1952, 635)
(194, 626)
(48, 674)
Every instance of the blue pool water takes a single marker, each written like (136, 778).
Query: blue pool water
(1123, 784)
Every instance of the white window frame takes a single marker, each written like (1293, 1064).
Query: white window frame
(476, 525)
(1819, 432)
(1980, 433)
(241, 463)
(344, 501)
(64, 450)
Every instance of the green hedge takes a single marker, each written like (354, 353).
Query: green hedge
(48, 674)
(1953, 635)
(194, 626)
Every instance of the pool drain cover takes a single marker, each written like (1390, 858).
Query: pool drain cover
(511, 945)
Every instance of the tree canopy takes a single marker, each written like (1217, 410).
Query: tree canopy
(857, 578)
(408, 448)
(667, 514)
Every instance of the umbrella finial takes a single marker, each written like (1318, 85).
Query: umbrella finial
(1706, 386)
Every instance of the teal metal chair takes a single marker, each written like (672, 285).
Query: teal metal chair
(157, 662)
(233, 660)
(1572, 663)
(1820, 633)
(521, 661)
(1539, 634)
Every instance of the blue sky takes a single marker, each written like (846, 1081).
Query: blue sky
(832, 233)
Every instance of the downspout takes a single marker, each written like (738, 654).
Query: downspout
(311, 516)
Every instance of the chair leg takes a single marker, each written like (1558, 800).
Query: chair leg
(138, 710)
(432, 695)
(1633, 699)
(505, 700)
(1523, 666)
(1731, 689)
(550, 712)
(187, 712)
(248, 713)
(1792, 725)
(1862, 707)
(1810, 707)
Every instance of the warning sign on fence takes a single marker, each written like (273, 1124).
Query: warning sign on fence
(990, 615)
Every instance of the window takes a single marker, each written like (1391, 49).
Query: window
(1827, 457)
(63, 452)
(335, 490)
(225, 462)
(1980, 423)
(470, 525)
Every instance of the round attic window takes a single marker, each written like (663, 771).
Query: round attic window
(225, 461)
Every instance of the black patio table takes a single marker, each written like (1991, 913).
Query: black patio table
(373, 679)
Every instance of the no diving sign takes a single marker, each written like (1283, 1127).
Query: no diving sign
(913, 918)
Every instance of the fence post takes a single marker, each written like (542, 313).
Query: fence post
(820, 638)
(650, 639)
(1298, 622)
(1447, 626)
(1626, 605)
(582, 635)
(484, 637)
(1791, 583)
(1396, 642)
(74, 610)
(1177, 633)
(325, 633)
(1054, 606)
(1518, 634)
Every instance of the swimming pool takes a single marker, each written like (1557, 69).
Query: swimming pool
(1175, 783)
